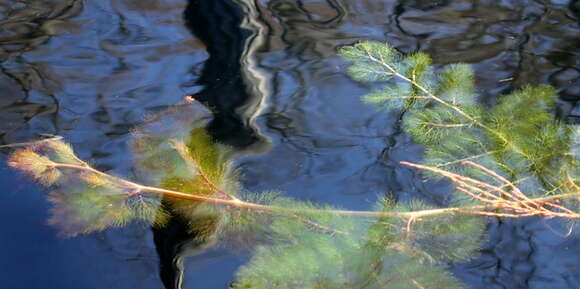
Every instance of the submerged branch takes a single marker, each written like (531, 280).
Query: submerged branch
(160, 191)
(515, 202)
(518, 206)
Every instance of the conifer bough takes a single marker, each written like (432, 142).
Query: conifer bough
(49, 172)
(509, 160)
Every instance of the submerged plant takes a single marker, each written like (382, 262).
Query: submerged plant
(509, 160)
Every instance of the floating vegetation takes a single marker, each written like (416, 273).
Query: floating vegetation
(511, 160)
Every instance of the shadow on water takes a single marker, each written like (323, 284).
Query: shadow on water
(218, 25)
(93, 70)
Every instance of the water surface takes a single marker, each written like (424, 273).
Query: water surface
(92, 70)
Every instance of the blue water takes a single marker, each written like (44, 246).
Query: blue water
(92, 70)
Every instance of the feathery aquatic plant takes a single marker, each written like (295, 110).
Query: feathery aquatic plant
(509, 160)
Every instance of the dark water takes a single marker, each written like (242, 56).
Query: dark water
(92, 70)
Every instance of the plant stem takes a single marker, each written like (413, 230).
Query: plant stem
(170, 193)
(237, 203)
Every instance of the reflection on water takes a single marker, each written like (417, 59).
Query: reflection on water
(92, 70)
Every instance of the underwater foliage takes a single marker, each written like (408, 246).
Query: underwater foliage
(331, 250)
(173, 151)
(84, 200)
(512, 159)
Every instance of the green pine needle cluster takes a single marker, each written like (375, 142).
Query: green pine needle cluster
(519, 138)
(184, 158)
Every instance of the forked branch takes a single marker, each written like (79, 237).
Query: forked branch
(506, 197)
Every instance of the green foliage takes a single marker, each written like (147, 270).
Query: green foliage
(301, 245)
(322, 249)
(156, 157)
(87, 201)
(376, 62)
(368, 63)
(532, 140)
(91, 209)
(328, 262)
(176, 152)
(450, 237)
(456, 85)
(518, 138)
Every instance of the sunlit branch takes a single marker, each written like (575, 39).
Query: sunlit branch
(520, 207)
(508, 200)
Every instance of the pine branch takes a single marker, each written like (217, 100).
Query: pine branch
(397, 245)
(513, 200)
(392, 71)
(517, 137)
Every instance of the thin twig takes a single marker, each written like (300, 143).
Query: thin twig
(513, 200)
